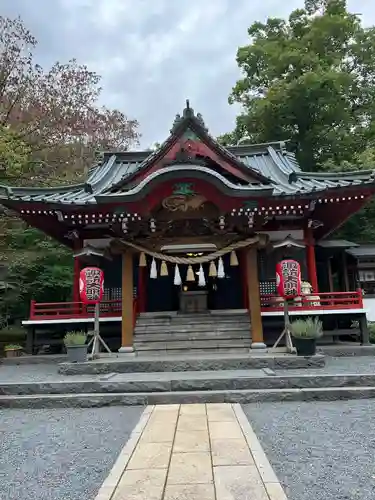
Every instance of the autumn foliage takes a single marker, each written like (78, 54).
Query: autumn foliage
(51, 123)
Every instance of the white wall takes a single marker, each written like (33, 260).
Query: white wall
(369, 304)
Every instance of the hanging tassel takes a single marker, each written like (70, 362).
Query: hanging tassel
(190, 274)
(201, 277)
(233, 258)
(220, 269)
(142, 260)
(153, 270)
(212, 272)
(177, 276)
(163, 269)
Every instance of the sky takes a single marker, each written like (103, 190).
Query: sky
(154, 54)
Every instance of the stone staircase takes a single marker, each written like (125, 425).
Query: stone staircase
(175, 333)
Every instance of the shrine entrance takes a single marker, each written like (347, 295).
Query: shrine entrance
(191, 296)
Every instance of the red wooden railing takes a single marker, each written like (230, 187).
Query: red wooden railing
(112, 308)
(326, 301)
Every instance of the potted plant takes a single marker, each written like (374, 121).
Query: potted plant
(76, 348)
(12, 350)
(305, 332)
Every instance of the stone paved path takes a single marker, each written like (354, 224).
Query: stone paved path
(192, 452)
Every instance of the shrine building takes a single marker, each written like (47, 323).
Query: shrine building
(196, 229)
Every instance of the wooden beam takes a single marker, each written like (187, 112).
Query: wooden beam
(330, 276)
(345, 271)
(254, 298)
(127, 325)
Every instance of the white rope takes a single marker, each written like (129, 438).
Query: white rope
(261, 239)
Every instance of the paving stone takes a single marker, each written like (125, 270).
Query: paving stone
(190, 468)
(192, 423)
(231, 452)
(190, 492)
(220, 413)
(193, 409)
(225, 430)
(191, 441)
(157, 432)
(141, 485)
(166, 408)
(241, 482)
(151, 456)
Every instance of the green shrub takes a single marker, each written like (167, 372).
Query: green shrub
(13, 347)
(75, 338)
(310, 328)
(371, 331)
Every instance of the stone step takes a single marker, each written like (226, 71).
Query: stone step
(205, 327)
(186, 351)
(182, 363)
(192, 344)
(236, 396)
(191, 335)
(181, 382)
(191, 319)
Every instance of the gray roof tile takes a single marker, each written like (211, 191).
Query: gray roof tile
(277, 167)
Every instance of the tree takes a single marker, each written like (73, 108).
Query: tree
(310, 80)
(55, 112)
(14, 154)
(51, 127)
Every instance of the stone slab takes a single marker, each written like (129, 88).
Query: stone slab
(159, 432)
(200, 381)
(151, 456)
(230, 452)
(141, 485)
(190, 468)
(190, 492)
(220, 413)
(98, 400)
(182, 363)
(191, 441)
(192, 423)
(239, 483)
(229, 430)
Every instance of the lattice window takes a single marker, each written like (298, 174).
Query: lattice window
(267, 287)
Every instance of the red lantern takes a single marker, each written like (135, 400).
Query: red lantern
(91, 285)
(288, 279)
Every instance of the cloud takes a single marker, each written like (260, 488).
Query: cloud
(153, 55)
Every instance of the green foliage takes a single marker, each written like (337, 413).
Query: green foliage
(371, 328)
(310, 328)
(310, 80)
(75, 338)
(39, 269)
(13, 347)
(14, 154)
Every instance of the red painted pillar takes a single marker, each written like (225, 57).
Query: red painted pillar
(310, 259)
(142, 289)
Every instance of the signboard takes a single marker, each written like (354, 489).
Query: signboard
(91, 285)
(288, 279)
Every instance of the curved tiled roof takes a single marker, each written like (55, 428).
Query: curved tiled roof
(273, 168)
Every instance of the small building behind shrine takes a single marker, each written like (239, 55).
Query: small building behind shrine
(194, 228)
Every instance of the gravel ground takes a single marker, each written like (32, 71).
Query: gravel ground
(320, 451)
(60, 454)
